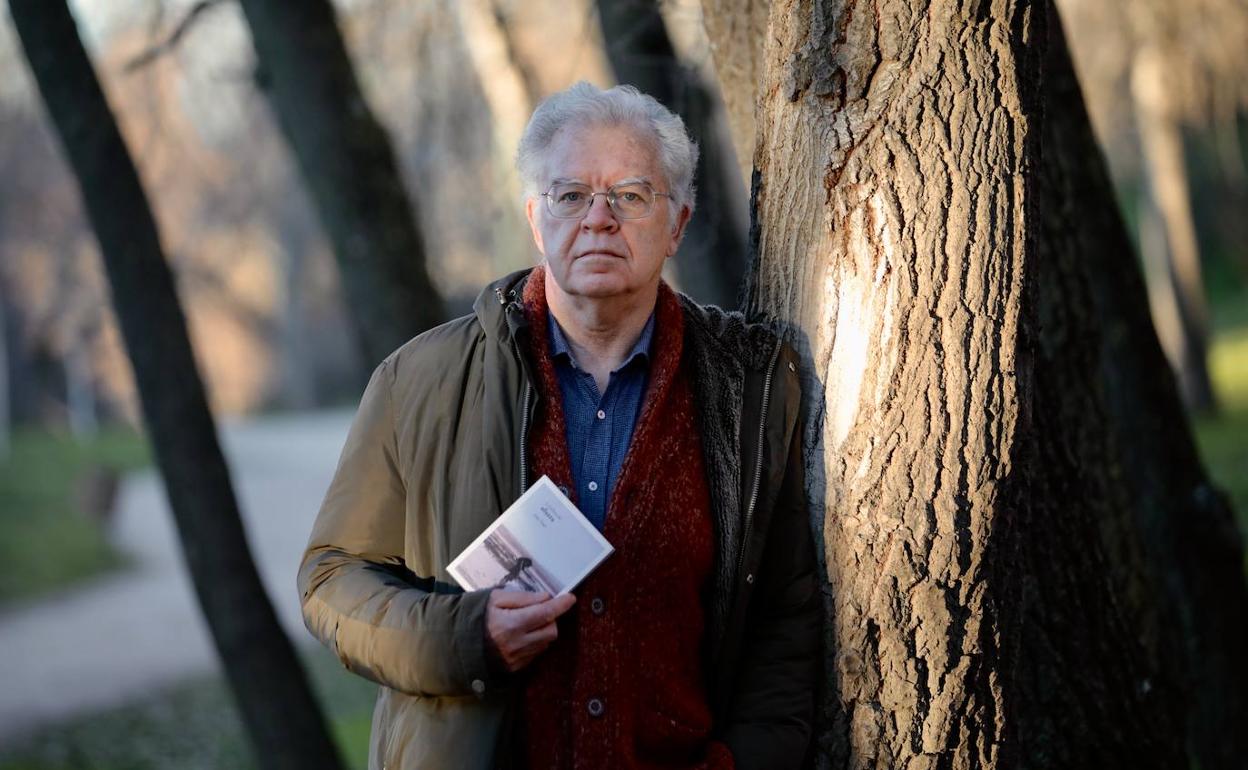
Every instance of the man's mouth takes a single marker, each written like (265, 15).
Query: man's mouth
(600, 253)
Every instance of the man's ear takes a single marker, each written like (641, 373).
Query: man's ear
(530, 213)
(678, 229)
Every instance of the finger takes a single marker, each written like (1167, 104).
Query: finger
(563, 603)
(524, 649)
(534, 645)
(515, 599)
(535, 616)
(541, 638)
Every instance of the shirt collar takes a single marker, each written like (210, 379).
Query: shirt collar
(559, 346)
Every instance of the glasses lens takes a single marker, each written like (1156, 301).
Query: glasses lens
(633, 201)
(569, 200)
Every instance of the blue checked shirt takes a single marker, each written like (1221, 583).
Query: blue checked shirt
(599, 426)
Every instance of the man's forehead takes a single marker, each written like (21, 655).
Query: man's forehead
(576, 150)
(614, 183)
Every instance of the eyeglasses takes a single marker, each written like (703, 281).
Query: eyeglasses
(631, 200)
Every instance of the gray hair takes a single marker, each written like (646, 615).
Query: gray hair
(586, 105)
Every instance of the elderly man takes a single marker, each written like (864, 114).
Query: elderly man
(674, 429)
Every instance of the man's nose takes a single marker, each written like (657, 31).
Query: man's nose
(600, 216)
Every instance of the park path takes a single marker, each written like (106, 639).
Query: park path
(114, 639)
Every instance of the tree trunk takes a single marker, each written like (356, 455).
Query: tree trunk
(79, 389)
(507, 96)
(990, 603)
(6, 412)
(1187, 525)
(286, 728)
(711, 262)
(1178, 274)
(736, 30)
(347, 161)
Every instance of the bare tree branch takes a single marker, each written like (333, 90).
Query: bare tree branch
(171, 41)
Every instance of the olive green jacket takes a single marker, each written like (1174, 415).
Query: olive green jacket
(437, 451)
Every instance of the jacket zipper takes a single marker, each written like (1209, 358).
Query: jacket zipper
(524, 438)
(528, 395)
(758, 465)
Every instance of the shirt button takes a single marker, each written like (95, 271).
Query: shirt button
(598, 606)
(593, 486)
(602, 415)
(478, 686)
(595, 707)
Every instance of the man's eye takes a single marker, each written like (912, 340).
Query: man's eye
(571, 196)
(629, 197)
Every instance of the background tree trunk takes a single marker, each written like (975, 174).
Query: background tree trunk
(286, 728)
(6, 411)
(1187, 525)
(79, 390)
(1185, 324)
(737, 30)
(349, 166)
(990, 603)
(711, 262)
(506, 93)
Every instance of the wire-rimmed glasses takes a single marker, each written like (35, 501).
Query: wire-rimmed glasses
(629, 200)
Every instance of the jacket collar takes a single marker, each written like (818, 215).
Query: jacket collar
(722, 332)
(491, 307)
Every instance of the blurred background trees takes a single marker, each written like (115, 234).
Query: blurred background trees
(286, 727)
(1167, 90)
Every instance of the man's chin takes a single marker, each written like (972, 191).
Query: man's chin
(600, 289)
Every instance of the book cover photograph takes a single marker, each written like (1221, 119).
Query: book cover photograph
(541, 544)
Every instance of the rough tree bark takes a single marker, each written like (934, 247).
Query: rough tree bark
(347, 160)
(993, 591)
(286, 728)
(711, 262)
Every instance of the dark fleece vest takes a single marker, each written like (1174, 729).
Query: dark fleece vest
(624, 684)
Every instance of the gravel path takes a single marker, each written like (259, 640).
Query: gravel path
(116, 638)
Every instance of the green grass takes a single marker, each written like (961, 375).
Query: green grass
(1223, 439)
(46, 542)
(192, 726)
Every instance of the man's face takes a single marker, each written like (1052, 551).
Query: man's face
(601, 256)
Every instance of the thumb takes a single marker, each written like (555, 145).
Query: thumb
(516, 599)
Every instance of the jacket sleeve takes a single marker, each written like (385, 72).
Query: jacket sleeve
(769, 724)
(358, 597)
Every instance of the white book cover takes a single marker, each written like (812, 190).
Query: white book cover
(542, 543)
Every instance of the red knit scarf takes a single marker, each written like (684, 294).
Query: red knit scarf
(633, 642)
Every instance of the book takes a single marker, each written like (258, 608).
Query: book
(542, 543)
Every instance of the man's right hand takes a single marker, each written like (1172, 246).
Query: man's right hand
(520, 624)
